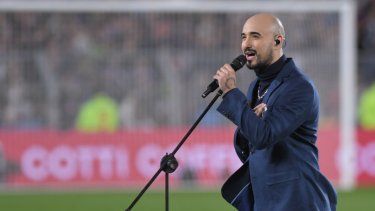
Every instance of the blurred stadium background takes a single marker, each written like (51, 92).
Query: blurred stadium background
(94, 93)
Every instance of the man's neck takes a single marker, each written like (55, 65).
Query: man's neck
(272, 70)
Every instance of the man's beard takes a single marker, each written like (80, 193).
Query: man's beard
(261, 64)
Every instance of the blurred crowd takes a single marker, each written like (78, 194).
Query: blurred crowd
(154, 66)
(366, 64)
(366, 43)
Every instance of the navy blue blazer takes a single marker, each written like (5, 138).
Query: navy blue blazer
(280, 170)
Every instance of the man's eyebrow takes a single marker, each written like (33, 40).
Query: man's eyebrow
(255, 33)
(251, 33)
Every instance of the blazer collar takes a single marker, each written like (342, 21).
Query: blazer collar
(283, 74)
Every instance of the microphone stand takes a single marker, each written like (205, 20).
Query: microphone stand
(169, 163)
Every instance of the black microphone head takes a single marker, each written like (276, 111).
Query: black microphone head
(238, 62)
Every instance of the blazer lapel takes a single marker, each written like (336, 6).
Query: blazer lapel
(284, 73)
(276, 83)
(250, 91)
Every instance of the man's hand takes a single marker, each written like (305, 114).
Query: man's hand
(259, 109)
(226, 78)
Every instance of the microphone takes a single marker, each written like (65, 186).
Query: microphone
(236, 64)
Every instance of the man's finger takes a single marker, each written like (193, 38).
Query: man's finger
(259, 106)
(223, 70)
(228, 67)
(256, 107)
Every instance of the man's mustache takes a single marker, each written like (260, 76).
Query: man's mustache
(250, 51)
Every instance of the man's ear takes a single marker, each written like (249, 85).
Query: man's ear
(278, 39)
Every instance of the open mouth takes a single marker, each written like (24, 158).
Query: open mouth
(250, 55)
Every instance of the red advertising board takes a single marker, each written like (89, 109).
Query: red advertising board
(70, 159)
(124, 158)
(366, 158)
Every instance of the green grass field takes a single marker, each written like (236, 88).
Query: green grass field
(359, 200)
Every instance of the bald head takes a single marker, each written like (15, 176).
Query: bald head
(263, 36)
(269, 22)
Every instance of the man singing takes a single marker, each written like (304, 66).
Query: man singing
(277, 128)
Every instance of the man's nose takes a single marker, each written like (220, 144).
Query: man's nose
(246, 43)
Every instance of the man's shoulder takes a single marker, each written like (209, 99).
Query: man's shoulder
(299, 81)
(298, 75)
